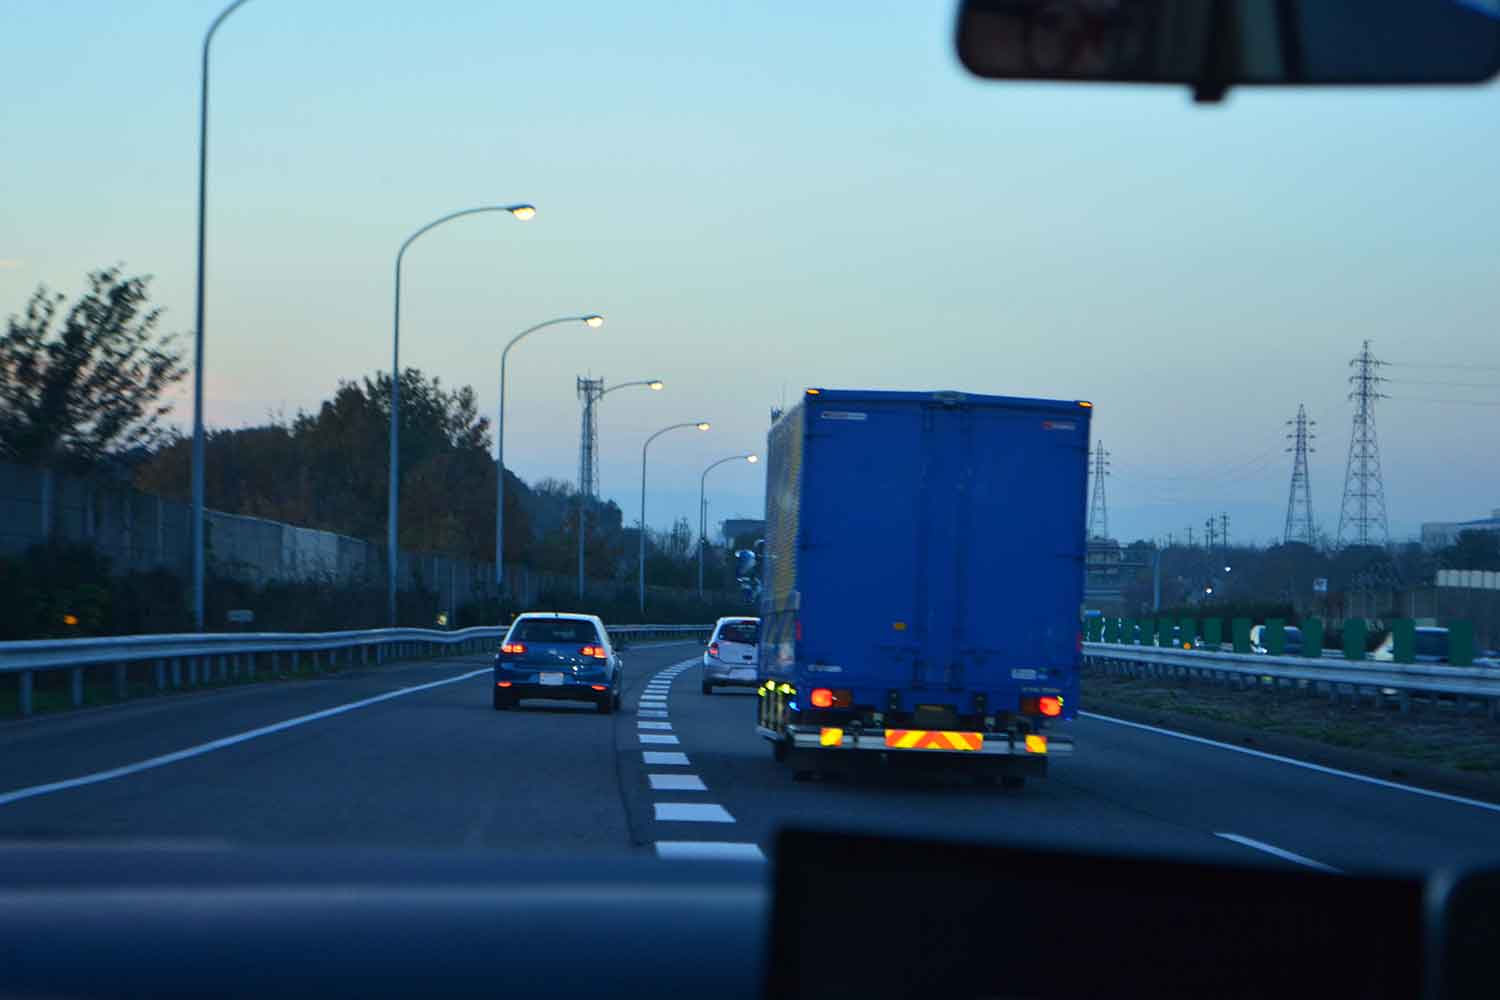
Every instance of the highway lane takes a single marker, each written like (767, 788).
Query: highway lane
(676, 773)
(435, 767)
(1126, 787)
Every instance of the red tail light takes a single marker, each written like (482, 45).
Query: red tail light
(1050, 705)
(821, 698)
(514, 649)
(599, 687)
(597, 652)
(502, 684)
(713, 649)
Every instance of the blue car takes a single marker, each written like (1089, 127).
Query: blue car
(552, 655)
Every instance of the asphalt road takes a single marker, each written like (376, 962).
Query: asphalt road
(415, 756)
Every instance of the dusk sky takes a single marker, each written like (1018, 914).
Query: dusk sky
(761, 197)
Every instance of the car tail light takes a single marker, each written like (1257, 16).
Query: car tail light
(821, 698)
(1048, 705)
(514, 649)
(599, 687)
(597, 652)
(713, 650)
(502, 684)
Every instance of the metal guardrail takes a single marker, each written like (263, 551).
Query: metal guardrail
(193, 659)
(1378, 679)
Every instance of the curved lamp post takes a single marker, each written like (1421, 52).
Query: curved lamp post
(703, 507)
(198, 310)
(393, 509)
(593, 321)
(655, 385)
(701, 425)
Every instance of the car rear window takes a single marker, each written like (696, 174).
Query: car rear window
(746, 632)
(554, 630)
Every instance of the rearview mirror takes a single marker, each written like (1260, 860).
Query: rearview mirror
(1212, 45)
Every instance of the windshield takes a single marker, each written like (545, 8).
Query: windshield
(1008, 410)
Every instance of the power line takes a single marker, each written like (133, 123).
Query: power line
(1456, 385)
(1454, 402)
(1463, 368)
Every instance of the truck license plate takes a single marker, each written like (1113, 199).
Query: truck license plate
(551, 680)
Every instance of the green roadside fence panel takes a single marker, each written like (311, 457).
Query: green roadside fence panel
(1312, 637)
(1354, 638)
(1164, 633)
(1404, 640)
(1240, 629)
(1189, 631)
(1273, 636)
(1461, 644)
(1112, 630)
(1146, 632)
(1213, 632)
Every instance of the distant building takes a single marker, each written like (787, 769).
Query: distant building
(1441, 534)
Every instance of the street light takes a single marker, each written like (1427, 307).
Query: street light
(393, 554)
(198, 310)
(593, 321)
(655, 385)
(702, 425)
(703, 507)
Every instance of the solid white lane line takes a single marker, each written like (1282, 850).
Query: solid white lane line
(6, 798)
(676, 783)
(692, 812)
(1272, 849)
(658, 738)
(1335, 772)
(708, 850)
(658, 726)
(665, 758)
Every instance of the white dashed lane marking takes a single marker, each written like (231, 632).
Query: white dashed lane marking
(676, 783)
(660, 739)
(665, 758)
(708, 850)
(692, 812)
(660, 726)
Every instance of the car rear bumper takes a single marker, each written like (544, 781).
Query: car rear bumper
(563, 692)
(716, 672)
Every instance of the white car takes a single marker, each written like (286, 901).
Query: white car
(733, 654)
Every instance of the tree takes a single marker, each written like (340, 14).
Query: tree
(80, 386)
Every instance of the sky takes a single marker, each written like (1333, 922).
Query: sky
(763, 197)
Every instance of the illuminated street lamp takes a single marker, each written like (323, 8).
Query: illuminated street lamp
(701, 425)
(703, 507)
(593, 321)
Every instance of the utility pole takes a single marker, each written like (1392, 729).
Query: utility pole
(1362, 514)
(1190, 536)
(589, 390)
(1208, 532)
(1224, 531)
(1299, 516)
(1098, 505)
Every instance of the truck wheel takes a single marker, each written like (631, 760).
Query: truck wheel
(779, 751)
(804, 774)
(1014, 782)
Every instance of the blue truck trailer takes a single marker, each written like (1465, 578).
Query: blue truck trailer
(923, 580)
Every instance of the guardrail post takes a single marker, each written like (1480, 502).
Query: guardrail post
(176, 673)
(75, 682)
(23, 698)
(1354, 639)
(161, 675)
(120, 684)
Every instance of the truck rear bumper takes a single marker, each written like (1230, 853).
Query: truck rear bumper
(992, 745)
